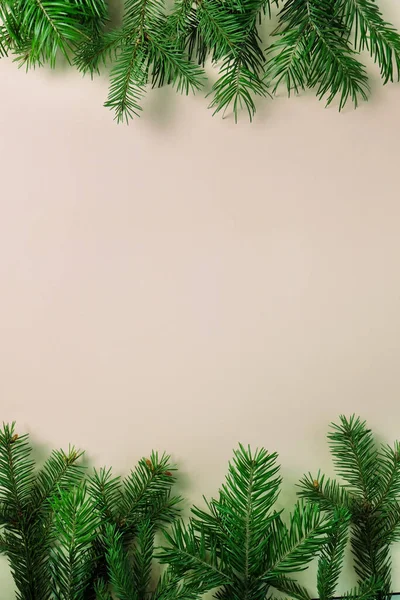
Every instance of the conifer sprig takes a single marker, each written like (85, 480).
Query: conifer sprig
(316, 45)
(39, 30)
(241, 546)
(374, 34)
(76, 525)
(371, 496)
(26, 509)
(131, 511)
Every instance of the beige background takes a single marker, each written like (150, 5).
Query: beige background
(184, 283)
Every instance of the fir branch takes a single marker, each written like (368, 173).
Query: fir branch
(389, 469)
(355, 456)
(390, 523)
(298, 544)
(240, 75)
(326, 492)
(102, 591)
(194, 42)
(288, 62)
(121, 577)
(289, 586)
(130, 512)
(169, 587)
(366, 591)
(247, 497)
(27, 509)
(16, 470)
(76, 524)
(374, 34)
(370, 496)
(237, 86)
(194, 557)
(239, 45)
(23, 541)
(106, 493)
(4, 546)
(215, 522)
(242, 546)
(313, 51)
(128, 79)
(142, 557)
(163, 508)
(48, 27)
(331, 557)
(179, 20)
(334, 70)
(371, 551)
(98, 48)
(219, 28)
(10, 28)
(4, 41)
(170, 66)
(60, 472)
(151, 478)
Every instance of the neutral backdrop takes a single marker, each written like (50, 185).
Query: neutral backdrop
(184, 283)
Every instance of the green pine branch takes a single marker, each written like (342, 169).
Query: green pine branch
(142, 558)
(119, 569)
(219, 28)
(102, 591)
(241, 75)
(326, 492)
(170, 587)
(288, 62)
(332, 554)
(370, 495)
(60, 472)
(241, 545)
(16, 470)
(151, 478)
(22, 542)
(76, 524)
(194, 556)
(27, 512)
(142, 52)
(313, 52)
(289, 587)
(355, 456)
(369, 590)
(374, 34)
(47, 27)
(316, 45)
(169, 65)
(127, 83)
(106, 493)
(295, 546)
(130, 513)
(389, 488)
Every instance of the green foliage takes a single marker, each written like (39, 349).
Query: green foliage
(27, 510)
(370, 496)
(374, 34)
(130, 513)
(314, 52)
(240, 544)
(72, 539)
(316, 45)
(66, 539)
(142, 52)
(331, 557)
(76, 524)
(36, 31)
